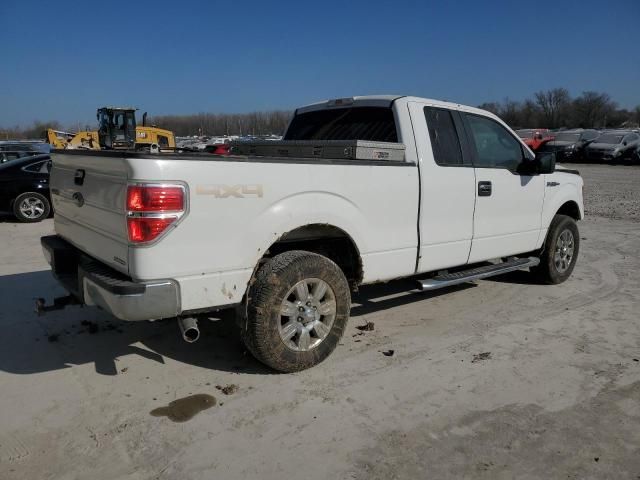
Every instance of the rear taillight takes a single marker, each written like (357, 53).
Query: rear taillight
(163, 198)
(151, 209)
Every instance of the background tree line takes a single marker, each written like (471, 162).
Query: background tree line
(556, 108)
(553, 108)
(255, 123)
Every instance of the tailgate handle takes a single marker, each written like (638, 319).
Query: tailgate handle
(78, 178)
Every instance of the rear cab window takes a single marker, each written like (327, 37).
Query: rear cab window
(445, 137)
(375, 124)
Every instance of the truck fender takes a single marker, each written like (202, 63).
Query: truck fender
(303, 209)
(563, 201)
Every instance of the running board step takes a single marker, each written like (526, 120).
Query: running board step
(449, 279)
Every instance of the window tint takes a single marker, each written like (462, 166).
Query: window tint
(36, 167)
(495, 146)
(444, 138)
(356, 123)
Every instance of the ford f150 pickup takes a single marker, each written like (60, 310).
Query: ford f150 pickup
(360, 190)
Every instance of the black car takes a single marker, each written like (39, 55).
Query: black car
(24, 187)
(613, 146)
(569, 145)
(11, 150)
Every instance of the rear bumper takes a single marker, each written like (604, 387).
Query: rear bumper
(94, 283)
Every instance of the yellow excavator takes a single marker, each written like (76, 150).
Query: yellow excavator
(117, 130)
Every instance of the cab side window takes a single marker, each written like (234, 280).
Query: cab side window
(495, 146)
(444, 137)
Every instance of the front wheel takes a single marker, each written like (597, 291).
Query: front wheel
(31, 207)
(298, 308)
(560, 252)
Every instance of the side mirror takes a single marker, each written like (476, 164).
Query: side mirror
(624, 143)
(546, 162)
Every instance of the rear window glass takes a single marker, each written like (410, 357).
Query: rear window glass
(444, 137)
(375, 124)
(609, 138)
(567, 137)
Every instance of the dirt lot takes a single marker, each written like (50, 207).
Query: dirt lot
(504, 379)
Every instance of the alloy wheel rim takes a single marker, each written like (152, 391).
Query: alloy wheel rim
(563, 255)
(32, 207)
(307, 313)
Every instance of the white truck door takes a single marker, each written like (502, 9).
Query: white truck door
(447, 187)
(508, 208)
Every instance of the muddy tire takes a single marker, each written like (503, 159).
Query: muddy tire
(560, 253)
(31, 207)
(297, 310)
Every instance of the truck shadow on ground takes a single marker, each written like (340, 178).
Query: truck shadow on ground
(518, 277)
(77, 335)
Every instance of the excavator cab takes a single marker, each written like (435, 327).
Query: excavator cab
(117, 127)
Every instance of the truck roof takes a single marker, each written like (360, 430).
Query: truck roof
(385, 101)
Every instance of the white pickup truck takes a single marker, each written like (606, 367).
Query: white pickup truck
(361, 190)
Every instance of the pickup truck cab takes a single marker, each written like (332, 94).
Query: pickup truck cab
(361, 190)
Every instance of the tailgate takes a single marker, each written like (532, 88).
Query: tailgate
(88, 194)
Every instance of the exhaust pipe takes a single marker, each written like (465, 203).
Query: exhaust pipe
(189, 329)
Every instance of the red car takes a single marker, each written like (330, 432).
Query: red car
(535, 137)
(218, 149)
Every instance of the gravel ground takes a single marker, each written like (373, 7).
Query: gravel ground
(499, 380)
(611, 191)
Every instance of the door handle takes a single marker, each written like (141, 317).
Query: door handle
(484, 189)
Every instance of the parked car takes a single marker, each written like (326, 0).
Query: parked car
(285, 236)
(636, 155)
(613, 146)
(10, 150)
(24, 187)
(218, 148)
(569, 145)
(536, 137)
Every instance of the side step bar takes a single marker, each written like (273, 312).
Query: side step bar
(449, 279)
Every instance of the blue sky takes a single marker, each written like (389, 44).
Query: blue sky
(62, 62)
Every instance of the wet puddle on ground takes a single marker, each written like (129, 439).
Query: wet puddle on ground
(186, 408)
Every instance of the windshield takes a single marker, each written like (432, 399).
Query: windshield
(609, 138)
(356, 123)
(567, 137)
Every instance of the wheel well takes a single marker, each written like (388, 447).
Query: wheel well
(570, 209)
(327, 240)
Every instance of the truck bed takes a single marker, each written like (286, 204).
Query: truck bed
(238, 206)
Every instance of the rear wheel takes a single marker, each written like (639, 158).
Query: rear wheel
(298, 308)
(560, 252)
(31, 207)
